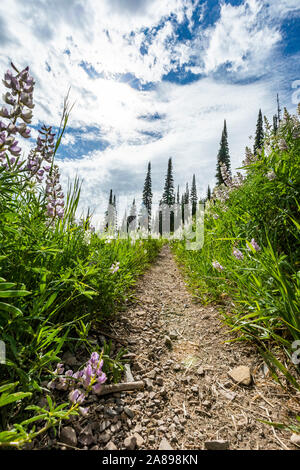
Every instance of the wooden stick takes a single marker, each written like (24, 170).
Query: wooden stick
(121, 387)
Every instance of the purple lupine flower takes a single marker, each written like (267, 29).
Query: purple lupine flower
(19, 97)
(74, 395)
(14, 149)
(94, 358)
(238, 254)
(83, 411)
(217, 266)
(255, 245)
(115, 267)
(59, 369)
(282, 145)
(55, 206)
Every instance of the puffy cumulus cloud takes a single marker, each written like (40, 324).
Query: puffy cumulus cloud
(191, 129)
(241, 40)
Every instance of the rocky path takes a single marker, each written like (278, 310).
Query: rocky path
(190, 401)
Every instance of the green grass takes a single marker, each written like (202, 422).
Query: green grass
(259, 294)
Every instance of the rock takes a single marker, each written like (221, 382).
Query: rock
(173, 335)
(128, 374)
(130, 442)
(110, 412)
(149, 384)
(105, 437)
(139, 439)
(200, 371)
(129, 412)
(159, 381)
(177, 367)
(116, 427)
(165, 445)
(241, 375)
(151, 374)
(295, 439)
(105, 424)
(95, 447)
(216, 445)
(111, 446)
(68, 436)
(168, 342)
(86, 437)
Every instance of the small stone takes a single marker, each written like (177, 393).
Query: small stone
(110, 412)
(105, 437)
(139, 439)
(295, 439)
(165, 445)
(173, 335)
(111, 446)
(200, 371)
(149, 384)
(168, 342)
(177, 367)
(241, 375)
(130, 442)
(151, 374)
(105, 424)
(86, 437)
(206, 403)
(68, 436)
(216, 445)
(129, 412)
(159, 381)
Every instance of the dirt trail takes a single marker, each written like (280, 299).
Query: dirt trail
(189, 397)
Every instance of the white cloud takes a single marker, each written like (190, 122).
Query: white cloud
(243, 38)
(59, 39)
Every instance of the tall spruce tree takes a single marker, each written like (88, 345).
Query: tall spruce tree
(208, 193)
(168, 196)
(147, 194)
(223, 155)
(194, 196)
(259, 135)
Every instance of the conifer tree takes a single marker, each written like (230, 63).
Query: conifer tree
(187, 194)
(194, 196)
(168, 196)
(208, 193)
(223, 155)
(147, 194)
(259, 135)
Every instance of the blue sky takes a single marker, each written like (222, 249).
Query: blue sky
(152, 79)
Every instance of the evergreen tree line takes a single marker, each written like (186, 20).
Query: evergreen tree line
(189, 198)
